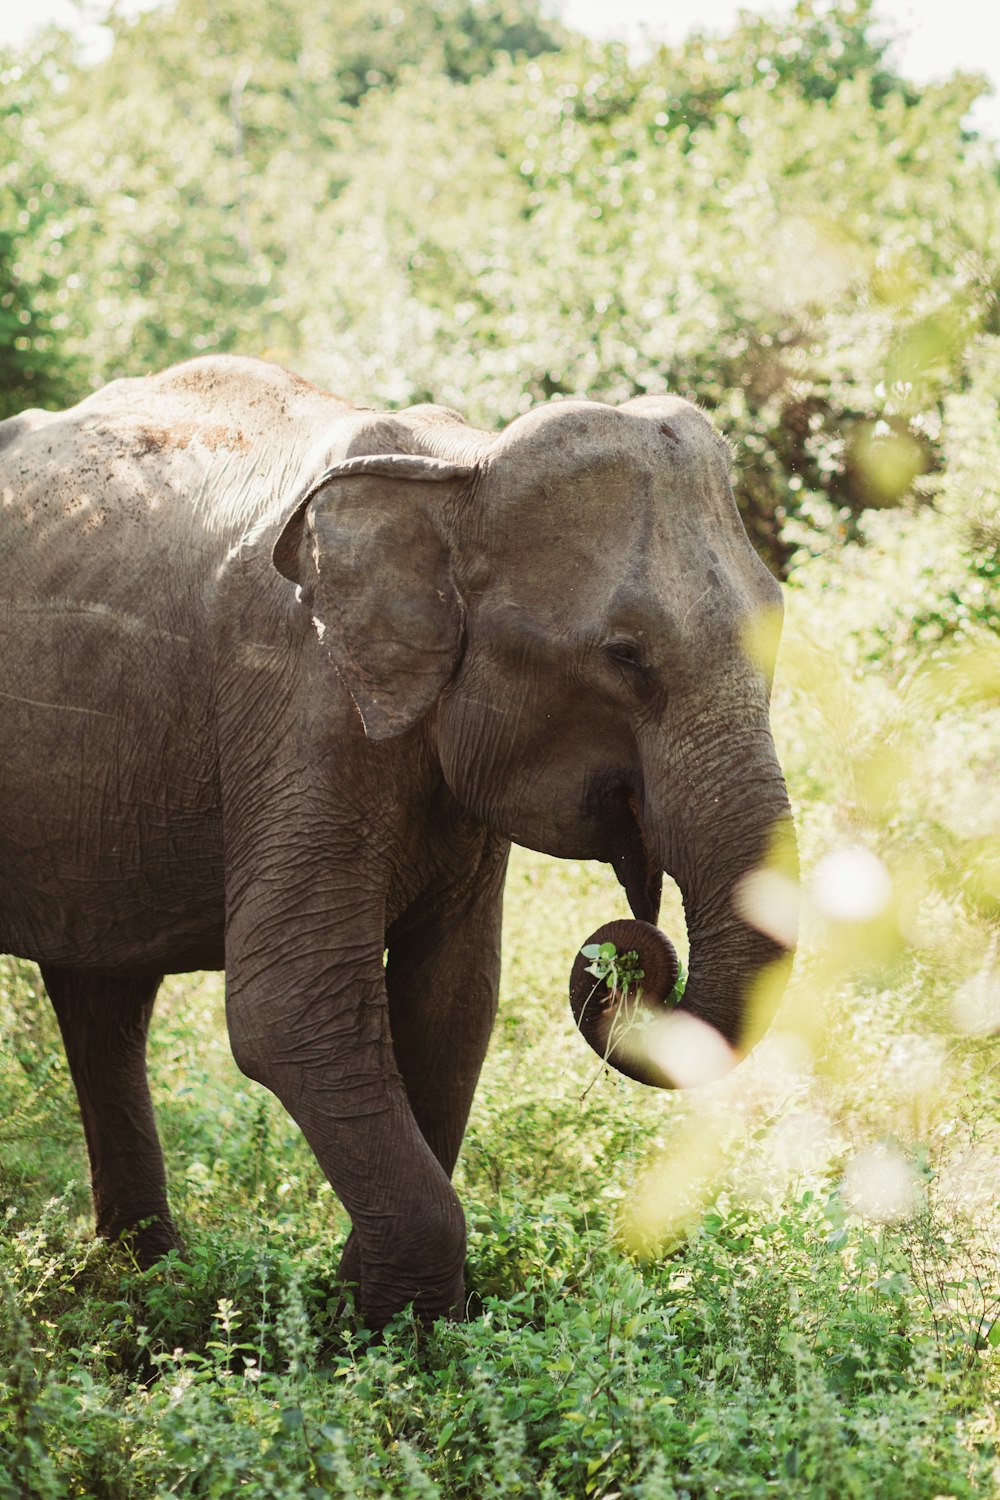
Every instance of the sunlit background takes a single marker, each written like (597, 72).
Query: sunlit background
(931, 39)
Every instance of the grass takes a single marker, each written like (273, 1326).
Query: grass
(785, 1284)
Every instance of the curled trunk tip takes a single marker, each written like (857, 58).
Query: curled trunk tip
(615, 1007)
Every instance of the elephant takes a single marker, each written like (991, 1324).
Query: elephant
(283, 678)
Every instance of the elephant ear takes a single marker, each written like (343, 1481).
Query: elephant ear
(376, 574)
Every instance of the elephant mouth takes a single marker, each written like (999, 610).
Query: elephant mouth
(634, 863)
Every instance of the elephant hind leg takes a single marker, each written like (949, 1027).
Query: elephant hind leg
(104, 1020)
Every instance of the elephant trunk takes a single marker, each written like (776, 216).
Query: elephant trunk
(727, 953)
(708, 838)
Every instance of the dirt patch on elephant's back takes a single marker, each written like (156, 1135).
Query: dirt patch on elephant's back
(182, 434)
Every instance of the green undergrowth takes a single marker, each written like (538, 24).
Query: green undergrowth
(777, 1350)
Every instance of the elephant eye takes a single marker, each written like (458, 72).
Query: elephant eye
(625, 653)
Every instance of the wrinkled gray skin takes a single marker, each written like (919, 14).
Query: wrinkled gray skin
(282, 677)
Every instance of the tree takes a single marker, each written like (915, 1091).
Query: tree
(455, 199)
(33, 226)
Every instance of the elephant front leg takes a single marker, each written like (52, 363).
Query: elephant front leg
(319, 1038)
(443, 979)
(104, 1020)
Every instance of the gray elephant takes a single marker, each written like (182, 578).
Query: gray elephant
(282, 678)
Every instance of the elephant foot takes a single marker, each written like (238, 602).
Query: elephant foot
(425, 1271)
(147, 1240)
(349, 1278)
(349, 1270)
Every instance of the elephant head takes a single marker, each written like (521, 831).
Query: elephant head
(564, 607)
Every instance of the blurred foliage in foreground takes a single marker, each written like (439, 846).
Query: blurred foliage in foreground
(460, 200)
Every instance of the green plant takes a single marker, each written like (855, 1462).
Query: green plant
(620, 971)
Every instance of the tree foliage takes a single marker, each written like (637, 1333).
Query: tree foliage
(459, 199)
(35, 370)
